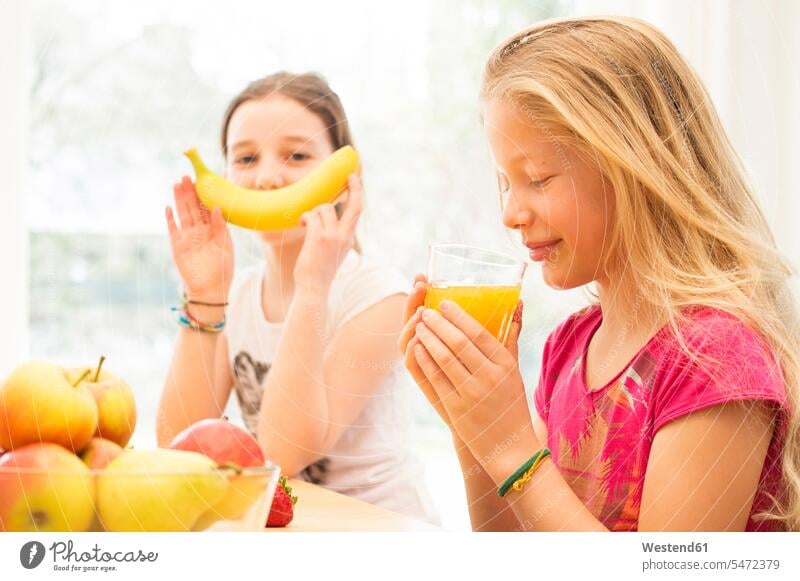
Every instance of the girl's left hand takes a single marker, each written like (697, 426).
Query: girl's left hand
(327, 241)
(478, 383)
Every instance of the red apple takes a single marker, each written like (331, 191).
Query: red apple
(221, 441)
(44, 487)
(39, 403)
(100, 452)
(226, 444)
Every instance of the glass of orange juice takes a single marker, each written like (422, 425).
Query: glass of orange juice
(485, 283)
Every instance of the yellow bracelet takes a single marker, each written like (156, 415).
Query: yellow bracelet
(525, 478)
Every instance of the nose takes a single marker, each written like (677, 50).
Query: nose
(270, 176)
(515, 216)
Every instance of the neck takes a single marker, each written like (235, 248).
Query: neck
(279, 274)
(626, 315)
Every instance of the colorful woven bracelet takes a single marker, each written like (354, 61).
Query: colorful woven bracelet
(186, 320)
(523, 474)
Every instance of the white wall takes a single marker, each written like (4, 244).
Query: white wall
(14, 280)
(746, 52)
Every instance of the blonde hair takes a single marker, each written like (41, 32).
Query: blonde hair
(686, 220)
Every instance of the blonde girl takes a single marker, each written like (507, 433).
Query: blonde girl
(671, 403)
(308, 345)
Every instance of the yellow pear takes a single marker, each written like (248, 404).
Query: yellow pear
(158, 490)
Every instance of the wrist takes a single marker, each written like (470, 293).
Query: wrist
(501, 465)
(205, 314)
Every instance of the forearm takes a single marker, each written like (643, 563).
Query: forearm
(189, 392)
(547, 502)
(487, 511)
(294, 414)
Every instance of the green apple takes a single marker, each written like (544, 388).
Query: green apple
(39, 403)
(44, 487)
(116, 406)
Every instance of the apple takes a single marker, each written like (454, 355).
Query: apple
(116, 406)
(39, 403)
(228, 445)
(100, 452)
(44, 487)
(222, 441)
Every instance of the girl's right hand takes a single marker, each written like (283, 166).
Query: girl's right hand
(412, 315)
(201, 248)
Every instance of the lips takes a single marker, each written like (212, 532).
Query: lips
(541, 250)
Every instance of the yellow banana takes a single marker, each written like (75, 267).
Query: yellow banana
(274, 209)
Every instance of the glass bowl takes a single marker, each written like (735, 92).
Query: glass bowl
(222, 499)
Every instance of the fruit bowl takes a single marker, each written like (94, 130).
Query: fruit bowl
(219, 498)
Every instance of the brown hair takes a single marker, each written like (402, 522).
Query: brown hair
(312, 91)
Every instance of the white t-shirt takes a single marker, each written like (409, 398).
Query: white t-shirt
(371, 461)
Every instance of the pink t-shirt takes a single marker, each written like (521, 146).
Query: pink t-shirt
(601, 439)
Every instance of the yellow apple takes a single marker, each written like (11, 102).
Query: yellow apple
(44, 487)
(116, 406)
(38, 403)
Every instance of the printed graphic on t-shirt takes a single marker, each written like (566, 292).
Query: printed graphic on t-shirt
(315, 473)
(593, 444)
(250, 375)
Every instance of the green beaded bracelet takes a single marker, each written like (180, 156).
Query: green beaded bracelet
(519, 472)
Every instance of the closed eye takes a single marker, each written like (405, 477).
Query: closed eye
(543, 182)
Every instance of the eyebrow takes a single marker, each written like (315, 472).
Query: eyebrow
(302, 139)
(539, 160)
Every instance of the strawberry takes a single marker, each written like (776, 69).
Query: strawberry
(281, 512)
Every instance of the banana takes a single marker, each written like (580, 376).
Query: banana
(274, 209)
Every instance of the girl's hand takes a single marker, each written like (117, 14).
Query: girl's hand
(201, 248)
(476, 382)
(328, 240)
(412, 316)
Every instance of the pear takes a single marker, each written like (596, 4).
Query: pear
(158, 490)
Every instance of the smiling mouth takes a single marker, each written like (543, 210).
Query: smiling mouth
(540, 252)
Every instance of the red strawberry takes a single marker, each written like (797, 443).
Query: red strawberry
(281, 512)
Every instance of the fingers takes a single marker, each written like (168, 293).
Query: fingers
(172, 227)
(328, 218)
(412, 365)
(219, 227)
(193, 202)
(355, 204)
(444, 341)
(473, 330)
(441, 384)
(408, 332)
(182, 205)
(512, 339)
(447, 360)
(415, 299)
(312, 222)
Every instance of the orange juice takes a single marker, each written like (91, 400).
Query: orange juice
(492, 306)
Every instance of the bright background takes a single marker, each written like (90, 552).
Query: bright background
(98, 99)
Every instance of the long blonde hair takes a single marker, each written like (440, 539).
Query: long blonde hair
(686, 220)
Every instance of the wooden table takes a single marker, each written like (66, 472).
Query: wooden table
(320, 509)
